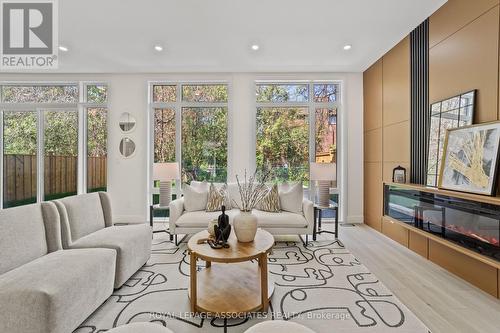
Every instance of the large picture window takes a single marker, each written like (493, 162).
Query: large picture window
(190, 126)
(296, 124)
(41, 131)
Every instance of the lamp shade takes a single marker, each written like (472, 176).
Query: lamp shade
(323, 171)
(166, 171)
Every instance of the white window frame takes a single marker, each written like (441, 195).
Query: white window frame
(311, 105)
(80, 107)
(177, 106)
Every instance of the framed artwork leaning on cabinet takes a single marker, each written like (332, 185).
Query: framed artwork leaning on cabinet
(470, 159)
(454, 112)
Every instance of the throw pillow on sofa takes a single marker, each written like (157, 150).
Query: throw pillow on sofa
(271, 201)
(194, 199)
(199, 186)
(217, 196)
(291, 197)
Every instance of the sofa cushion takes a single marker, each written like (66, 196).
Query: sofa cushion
(200, 219)
(22, 236)
(56, 292)
(131, 242)
(194, 198)
(82, 214)
(279, 220)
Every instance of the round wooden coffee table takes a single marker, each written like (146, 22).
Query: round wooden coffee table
(234, 285)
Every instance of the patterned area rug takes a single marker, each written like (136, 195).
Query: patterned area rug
(322, 287)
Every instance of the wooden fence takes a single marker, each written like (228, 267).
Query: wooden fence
(60, 176)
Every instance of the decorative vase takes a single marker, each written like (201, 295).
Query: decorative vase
(245, 226)
(211, 225)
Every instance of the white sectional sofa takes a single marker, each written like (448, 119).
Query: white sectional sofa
(59, 261)
(86, 222)
(182, 222)
(44, 288)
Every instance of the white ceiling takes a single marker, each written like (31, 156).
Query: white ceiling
(216, 35)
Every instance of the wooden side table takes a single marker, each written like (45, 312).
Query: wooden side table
(318, 213)
(237, 285)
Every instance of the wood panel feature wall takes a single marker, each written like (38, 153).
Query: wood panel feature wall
(463, 55)
(386, 125)
(373, 95)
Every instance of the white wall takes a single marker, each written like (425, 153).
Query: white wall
(127, 178)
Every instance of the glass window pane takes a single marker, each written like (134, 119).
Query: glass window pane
(164, 135)
(61, 154)
(97, 151)
(204, 144)
(282, 92)
(204, 93)
(283, 142)
(164, 93)
(326, 92)
(326, 136)
(97, 93)
(19, 160)
(40, 94)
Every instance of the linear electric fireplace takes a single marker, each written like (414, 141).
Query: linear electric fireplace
(472, 224)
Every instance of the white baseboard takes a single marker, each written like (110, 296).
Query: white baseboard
(355, 219)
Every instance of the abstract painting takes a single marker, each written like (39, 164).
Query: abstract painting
(470, 159)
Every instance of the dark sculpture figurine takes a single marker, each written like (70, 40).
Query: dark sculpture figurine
(222, 231)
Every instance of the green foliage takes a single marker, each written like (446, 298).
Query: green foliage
(164, 139)
(204, 144)
(61, 133)
(282, 93)
(164, 93)
(97, 132)
(19, 133)
(40, 94)
(204, 93)
(97, 93)
(283, 142)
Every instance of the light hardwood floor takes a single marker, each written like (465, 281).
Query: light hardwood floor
(443, 301)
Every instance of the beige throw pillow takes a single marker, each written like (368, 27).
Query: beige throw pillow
(291, 197)
(216, 198)
(194, 199)
(271, 201)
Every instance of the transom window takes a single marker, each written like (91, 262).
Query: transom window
(41, 130)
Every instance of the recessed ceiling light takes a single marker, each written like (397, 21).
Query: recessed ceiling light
(158, 48)
(63, 48)
(255, 47)
(347, 47)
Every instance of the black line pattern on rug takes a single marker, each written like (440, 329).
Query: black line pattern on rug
(322, 278)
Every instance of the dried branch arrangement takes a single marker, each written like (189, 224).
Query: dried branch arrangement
(251, 191)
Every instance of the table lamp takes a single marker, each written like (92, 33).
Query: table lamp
(165, 173)
(324, 173)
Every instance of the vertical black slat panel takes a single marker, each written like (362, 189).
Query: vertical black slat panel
(419, 104)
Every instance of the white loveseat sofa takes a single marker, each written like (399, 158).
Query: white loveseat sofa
(182, 222)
